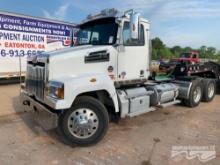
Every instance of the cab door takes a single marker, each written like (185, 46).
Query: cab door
(133, 59)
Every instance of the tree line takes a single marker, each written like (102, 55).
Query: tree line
(161, 51)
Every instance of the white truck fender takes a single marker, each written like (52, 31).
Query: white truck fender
(76, 85)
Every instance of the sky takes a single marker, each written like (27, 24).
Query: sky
(177, 22)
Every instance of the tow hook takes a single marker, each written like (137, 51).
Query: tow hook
(26, 102)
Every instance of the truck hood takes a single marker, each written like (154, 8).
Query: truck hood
(77, 49)
(71, 61)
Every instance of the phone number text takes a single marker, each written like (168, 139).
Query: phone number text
(18, 53)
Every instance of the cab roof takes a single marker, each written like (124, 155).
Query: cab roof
(109, 13)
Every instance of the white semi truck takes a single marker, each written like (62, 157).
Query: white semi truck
(107, 75)
(22, 36)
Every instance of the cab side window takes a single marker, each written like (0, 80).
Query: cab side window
(131, 42)
(194, 56)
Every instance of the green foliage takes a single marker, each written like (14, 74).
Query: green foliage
(157, 43)
(187, 49)
(154, 54)
(160, 51)
(166, 53)
(203, 51)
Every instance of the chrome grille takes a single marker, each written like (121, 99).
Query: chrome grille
(35, 78)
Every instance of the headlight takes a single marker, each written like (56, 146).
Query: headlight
(55, 90)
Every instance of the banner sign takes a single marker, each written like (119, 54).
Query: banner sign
(22, 37)
(25, 36)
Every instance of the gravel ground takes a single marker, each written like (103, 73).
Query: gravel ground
(144, 140)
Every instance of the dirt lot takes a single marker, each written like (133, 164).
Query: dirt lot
(144, 140)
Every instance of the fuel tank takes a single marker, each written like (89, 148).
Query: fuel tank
(163, 93)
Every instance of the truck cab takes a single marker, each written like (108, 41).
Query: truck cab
(104, 76)
(191, 57)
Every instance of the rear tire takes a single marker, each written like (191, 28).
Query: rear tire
(195, 94)
(209, 87)
(85, 123)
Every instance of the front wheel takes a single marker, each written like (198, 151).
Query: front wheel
(85, 123)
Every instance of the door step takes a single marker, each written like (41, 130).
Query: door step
(137, 113)
(164, 105)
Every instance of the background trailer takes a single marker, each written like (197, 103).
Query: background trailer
(23, 36)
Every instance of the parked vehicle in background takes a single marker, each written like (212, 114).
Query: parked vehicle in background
(23, 36)
(106, 76)
(189, 64)
(191, 57)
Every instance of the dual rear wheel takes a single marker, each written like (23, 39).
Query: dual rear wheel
(201, 90)
(209, 86)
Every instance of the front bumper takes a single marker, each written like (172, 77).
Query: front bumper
(41, 114)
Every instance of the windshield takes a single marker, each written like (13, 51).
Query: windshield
(185, 55)
(99, 32)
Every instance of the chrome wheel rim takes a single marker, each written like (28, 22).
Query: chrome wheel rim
(211, 90)
(83, 123)
(197, 94)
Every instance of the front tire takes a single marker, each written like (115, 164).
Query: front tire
(85, 123)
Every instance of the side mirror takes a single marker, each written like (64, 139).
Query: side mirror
(134, 26)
